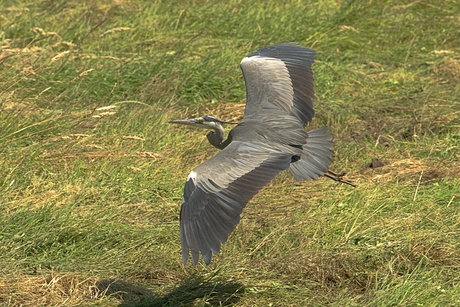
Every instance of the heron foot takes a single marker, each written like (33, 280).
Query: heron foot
(340, 177)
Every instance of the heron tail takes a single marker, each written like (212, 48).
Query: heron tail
(316, 156)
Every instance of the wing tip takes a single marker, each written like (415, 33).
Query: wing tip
(207, 259)
(283, 47)
(185, 255)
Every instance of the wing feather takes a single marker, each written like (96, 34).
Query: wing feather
(212, 204)
(280, 77)
(316, 156)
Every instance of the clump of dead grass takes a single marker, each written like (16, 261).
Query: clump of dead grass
(59, 289)
(54, 289)
(410, 171)
(229, 111)
(448, 71)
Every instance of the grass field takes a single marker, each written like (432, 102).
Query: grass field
(92, 173)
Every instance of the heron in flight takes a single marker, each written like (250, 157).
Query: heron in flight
(271, 138)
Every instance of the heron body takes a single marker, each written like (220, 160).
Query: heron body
(271, 138)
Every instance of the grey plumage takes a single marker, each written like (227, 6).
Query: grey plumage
(271, 138)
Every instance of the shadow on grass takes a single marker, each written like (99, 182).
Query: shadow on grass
(193, 290)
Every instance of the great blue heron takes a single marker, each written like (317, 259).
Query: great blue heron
(271, 138)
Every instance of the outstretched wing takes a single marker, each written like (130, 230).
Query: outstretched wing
(280, 77)
(217, 191)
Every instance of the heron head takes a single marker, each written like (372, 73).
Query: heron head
(207, 122)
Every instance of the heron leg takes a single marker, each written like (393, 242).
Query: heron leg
(339, 177)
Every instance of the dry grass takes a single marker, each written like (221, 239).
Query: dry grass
(70, 290)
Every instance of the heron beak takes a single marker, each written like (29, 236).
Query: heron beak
(190, 122)
(198, 122)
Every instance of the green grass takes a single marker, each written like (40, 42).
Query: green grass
(90, 198)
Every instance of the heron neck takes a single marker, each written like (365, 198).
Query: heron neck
(216, 137)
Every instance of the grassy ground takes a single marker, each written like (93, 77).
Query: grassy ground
(91, 173)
